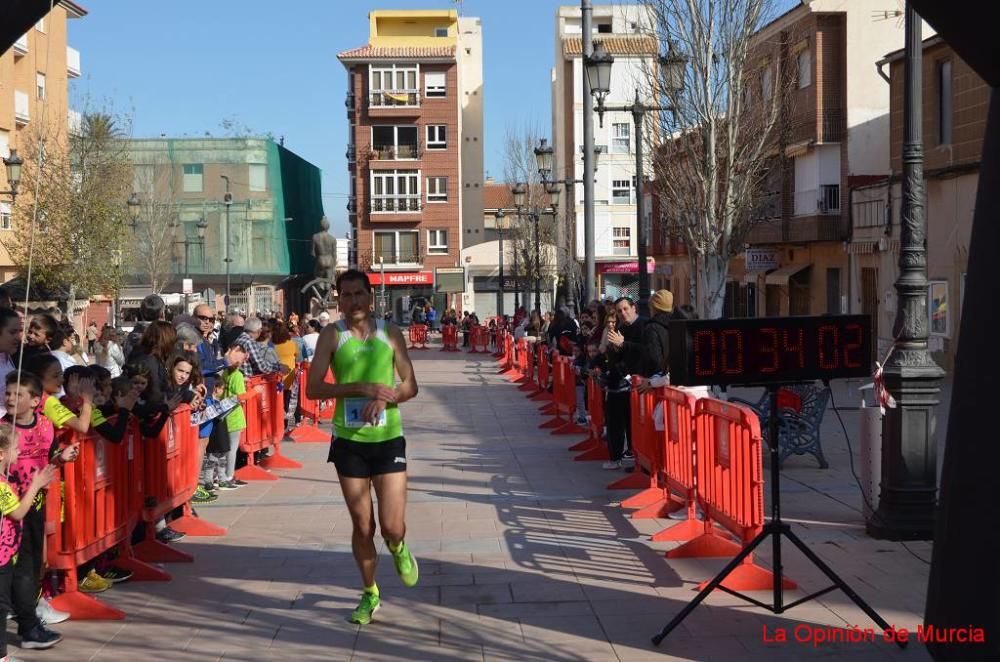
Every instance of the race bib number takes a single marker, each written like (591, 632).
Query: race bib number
(353, 409)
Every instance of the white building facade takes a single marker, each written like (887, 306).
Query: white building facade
(625, 31)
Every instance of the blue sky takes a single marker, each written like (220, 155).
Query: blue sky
(182, 68)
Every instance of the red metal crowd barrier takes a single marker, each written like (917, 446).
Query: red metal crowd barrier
(479, 339)
(449, 338)
(308, 430)
(730, 481)
(273, 396)
(255, 437)
(594, 447)
(418, 336)
(564, 398)
(526, 365)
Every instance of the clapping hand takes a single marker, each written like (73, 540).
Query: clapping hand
(71, 452)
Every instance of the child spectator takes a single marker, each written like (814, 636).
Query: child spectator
(47, 368)
(14, 508)
(36, 444)
(110, 416)
(235, 421)
(41, 330)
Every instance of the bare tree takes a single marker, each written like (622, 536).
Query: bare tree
(717, 142)
(73, 213)
(155, 225)
(520, 167)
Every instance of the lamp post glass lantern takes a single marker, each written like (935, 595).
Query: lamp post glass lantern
(599, 74)
(13, 165)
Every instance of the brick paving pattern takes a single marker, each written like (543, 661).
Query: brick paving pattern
(523, 554)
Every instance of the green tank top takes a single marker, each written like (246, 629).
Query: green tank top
(372, 361)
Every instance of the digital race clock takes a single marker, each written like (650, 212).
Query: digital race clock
(769, 350)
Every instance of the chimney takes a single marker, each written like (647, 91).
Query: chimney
(490, 180)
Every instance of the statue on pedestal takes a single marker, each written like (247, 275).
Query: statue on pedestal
(324, 252)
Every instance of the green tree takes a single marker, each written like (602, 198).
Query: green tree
(72, 214)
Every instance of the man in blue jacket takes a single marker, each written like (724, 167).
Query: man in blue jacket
(208, 351)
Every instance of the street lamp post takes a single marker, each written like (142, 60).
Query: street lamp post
(908, 496)
(521, 202)
(12, 164)
(499, 216)
(599, 72)
(134, 205)
(201, 225)
(587, 46)
(228, 201)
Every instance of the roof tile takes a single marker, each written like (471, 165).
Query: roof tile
(622, 44)
(369, 52)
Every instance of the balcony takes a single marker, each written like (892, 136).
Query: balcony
(74, 122)
(351, 153)
(351, 103)
(824, 200)
(352, 205)
(395, 152)
(22, 107)
(21, 46)
(72, 62)
(393, 103)
(803, 229)
(396, 204)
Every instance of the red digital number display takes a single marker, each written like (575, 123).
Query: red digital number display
(760, 351)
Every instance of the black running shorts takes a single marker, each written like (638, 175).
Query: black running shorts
(355, 459)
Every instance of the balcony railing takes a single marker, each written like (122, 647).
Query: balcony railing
(352, 205)
(22, 107)
(824, 200)
(398, 204)
(768, 206)
(871, 214)
(21, 45)
(72, 62)
(351, 153)
(394, 98)
(407, 257)
(395, 152)
(816, 228)
(350, 102)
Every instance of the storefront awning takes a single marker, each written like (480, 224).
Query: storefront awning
(781, 276)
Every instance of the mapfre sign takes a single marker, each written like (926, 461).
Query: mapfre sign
(403, 278)
(761, 259)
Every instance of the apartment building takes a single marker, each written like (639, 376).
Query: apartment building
(415, 150)
(834, 136)
(34, 81)
(955, 103)
(265, 231)
(624, 31)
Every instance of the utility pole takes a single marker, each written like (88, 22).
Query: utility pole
(586, 14)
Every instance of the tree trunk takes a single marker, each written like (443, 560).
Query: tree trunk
(71, 304)
(711, 285)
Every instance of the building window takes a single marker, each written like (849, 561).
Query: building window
(937, 308)
(40, 85)
(805, 68)
(394, 85)
(194, 175)
(437, 136)
(437, 189)
(5, 216)
(437, 242)
(621, 192)
(395, 191)
(394, 142)
(258, 177)
(396, 247)
(620, 137)
(434, 82)
(944, 102)
(766, 83)
(440, 32)
(621, 241)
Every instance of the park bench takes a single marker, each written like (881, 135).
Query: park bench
(801, 410)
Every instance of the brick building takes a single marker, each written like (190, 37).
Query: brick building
(415, 155)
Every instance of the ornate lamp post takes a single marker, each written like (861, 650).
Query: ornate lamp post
(201, 226)
(13, 165)
(908, 497)
(599, 71)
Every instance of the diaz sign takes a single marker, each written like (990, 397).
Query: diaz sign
(761, 259)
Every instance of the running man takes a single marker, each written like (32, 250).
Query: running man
(368, 447)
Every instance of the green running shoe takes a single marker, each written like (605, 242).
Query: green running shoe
(406, 565)
(366, 609)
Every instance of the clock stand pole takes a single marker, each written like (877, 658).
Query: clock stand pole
(774, 529)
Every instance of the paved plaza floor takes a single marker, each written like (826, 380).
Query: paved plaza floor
(524, 555)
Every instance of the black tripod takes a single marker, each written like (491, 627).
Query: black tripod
(774, 529)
